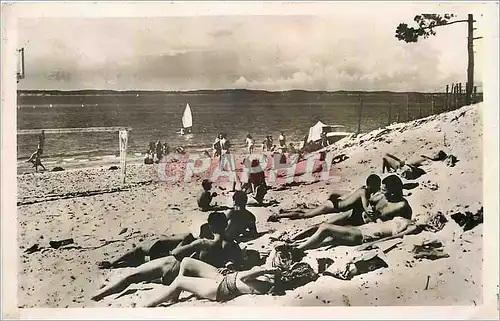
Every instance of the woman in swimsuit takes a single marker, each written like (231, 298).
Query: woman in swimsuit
(206, 281)
(218, 252)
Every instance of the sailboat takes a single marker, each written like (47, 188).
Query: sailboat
(187, 120)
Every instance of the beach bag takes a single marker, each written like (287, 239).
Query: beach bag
(295, 276)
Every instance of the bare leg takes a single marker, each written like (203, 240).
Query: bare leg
(341, 235)
(146, 272)
(196, 277)
(132, 258)
(326, 208)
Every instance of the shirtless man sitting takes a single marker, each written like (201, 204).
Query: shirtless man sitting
(356, 201)
(221, 252)
(385, 204)
(241, 222)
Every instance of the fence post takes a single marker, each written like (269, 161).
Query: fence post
(446, 98)
(407, 107)
(452, 96)
(432, 105)
(456, 96)
(460, 95)
(419, 107)
(474, 95)
(359, 113)
(390, 112)
(399, 115)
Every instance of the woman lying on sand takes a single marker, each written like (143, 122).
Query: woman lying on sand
(385, 204)
(334, 235)
(356, 201)
(206, 281)
(219, 252)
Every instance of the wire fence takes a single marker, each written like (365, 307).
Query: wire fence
(404, 107)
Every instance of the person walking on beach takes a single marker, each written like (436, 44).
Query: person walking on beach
(36, 160)
(158, 151)
(282, 141)
(216, 145)
(250, 143)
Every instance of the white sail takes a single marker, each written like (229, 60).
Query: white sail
(187, 118)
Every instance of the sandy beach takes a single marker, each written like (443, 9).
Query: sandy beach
(92, 206)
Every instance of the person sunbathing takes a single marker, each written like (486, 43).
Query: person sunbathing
(356, 201)
(206, 281)
(205, 196)
(241, 222)
(385, 204)
(410, 169)
(335, 235)
(148, 251)
(220, 252)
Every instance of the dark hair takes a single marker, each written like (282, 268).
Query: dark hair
(240, 198)
(217, 222)
(206, 184)
(393, 184)
(373, 180)
(249, 136)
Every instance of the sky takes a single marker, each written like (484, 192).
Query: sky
(345, 50)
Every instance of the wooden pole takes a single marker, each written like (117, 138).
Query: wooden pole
(446, 98)
(407, 107)
(470, 54)
(390, 113)
(474, 96)
(419, 108)
(452, 96)
(460, 101)
(456, 96)
(399, 115)
(433, 105)
(360, 113)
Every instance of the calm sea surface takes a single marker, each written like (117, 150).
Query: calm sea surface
(154, 116)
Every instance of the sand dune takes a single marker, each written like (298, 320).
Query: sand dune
(58, 205)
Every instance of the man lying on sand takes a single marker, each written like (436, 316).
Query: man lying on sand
(205, 196)
(143, 253)
(384, 205)
(241, 222)
(356, 201)
(220, 252)
(411, 169)
(206, 281)
(335, 235)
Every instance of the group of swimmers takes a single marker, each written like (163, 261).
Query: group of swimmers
(213, 266)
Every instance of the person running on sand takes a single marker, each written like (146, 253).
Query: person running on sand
(208, 282)
(250, 143)
(145, 252)
(356, 201)
(35, 158)
(220, 252)
(241, 222)
(205, 196)
(330, 234)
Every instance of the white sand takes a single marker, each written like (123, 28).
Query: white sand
(67, 278)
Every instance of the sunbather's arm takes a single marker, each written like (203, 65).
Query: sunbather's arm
(186, 250)
(409, 230)
(255, 272)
